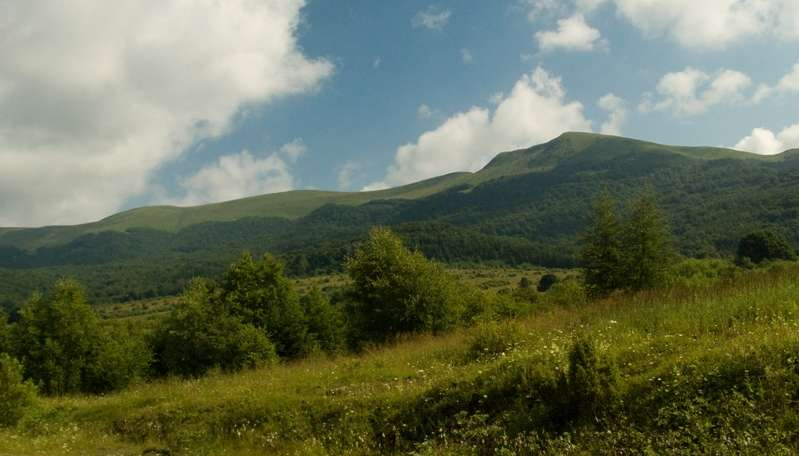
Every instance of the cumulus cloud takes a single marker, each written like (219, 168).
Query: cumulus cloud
(617, 114)
(788, 84)
(763, 141)
(95, 95)
(535, 111)
(240, 175)
(691, 91)
(712, 23)
(431, 18)
(572, 34)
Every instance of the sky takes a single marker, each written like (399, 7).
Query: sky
(106, 106)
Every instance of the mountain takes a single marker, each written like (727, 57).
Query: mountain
(525, 206)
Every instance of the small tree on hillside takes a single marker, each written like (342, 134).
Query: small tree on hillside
(765, 245)
(647, 243)
(260, 294)
(602, 255)
(396, 290)
(57, 338)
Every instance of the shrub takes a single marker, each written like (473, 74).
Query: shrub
(546, 281)
(16, 395)
(122, 357)
(395, 290)
(57, 338)
(198, 336)
(588, 389)
(765, 245)
(259, 293)
(326, 325)
(566, 293)
(492, 339)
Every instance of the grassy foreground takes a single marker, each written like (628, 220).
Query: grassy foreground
(705, 369)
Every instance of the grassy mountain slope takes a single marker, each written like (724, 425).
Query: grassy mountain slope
(295, 204)
(290, 205)
(705, 370)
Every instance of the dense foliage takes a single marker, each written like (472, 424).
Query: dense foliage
(64, 349)
(396, 290)
(764, 245)
(633, 254)
(16, 395)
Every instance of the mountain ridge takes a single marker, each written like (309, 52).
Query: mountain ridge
(297, 203)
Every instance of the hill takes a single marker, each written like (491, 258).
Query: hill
(525, 206)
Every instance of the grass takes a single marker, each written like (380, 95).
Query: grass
(695, 369)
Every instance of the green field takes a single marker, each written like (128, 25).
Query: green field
(711, 368)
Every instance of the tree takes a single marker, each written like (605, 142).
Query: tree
(198, 335)
(647, 243)
(16, 395)
(57, 338)
(602, 255)
(765, 245)
(259, 293)
(63, 348)
(395, 290)
(325, 322)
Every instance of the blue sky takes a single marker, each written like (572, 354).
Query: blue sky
(111, 108)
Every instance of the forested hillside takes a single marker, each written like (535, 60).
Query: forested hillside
(526, 206)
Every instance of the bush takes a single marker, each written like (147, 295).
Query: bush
(123, 357)
(546, 282)
(566, 293)
(765, 245)
(395, 290)
(588, 389)
(57, 338)
(492, 339)
(326, 326)
(16, 395)
(259, 293)
(198, 336)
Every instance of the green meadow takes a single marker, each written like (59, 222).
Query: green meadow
(708, 365)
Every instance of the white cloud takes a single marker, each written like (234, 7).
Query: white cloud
(617, 114)
(346, 174)
(788, 83)
(540, 8)
(377, 62)
(240, 175)
(424, 112)
(763, 141)
(96, 94)
(692, 91)
(572, 34)
(466, 56)
(293, 150)
(432, 18)
(712, 23)
(536, 110)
